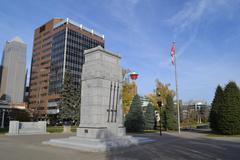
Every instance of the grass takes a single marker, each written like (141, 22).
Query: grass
(74, 128)
(59, 129)
(50, 129)
(3, 130)
(221, 135)
(145, 131)
(55, 129)
(151, 131)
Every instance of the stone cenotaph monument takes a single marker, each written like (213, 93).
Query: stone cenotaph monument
(101, 120)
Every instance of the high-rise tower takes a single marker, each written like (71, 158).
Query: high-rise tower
(13, 71)
(68, 41)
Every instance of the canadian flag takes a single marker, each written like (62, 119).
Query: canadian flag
(173, 52)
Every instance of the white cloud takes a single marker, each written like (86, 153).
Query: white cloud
(190, 14)
(187, 20)
(193, 11)
(124, 11)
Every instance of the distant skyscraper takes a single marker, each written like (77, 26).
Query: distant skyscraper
(67, 41)
(13, 71)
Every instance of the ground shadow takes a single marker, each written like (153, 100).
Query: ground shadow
(168, 147)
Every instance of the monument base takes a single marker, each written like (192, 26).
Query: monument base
(97, 139)
(101, 132)
(93, 145)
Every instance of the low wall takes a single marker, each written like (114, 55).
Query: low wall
(21, 128)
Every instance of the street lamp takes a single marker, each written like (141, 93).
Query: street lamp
(134, 75)
(159, 102)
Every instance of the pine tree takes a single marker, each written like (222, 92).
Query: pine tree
(169, 121)
(149, 117)
(134, 119)
(229, 122)
(76, 105)
(215, 110)
(69, 104)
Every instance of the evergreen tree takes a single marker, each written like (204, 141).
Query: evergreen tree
(215, 110)
(134, 119)
(21, 115)
(229, 121)
(149, 117)
(69, 104)
(169, 121)
(76, 105)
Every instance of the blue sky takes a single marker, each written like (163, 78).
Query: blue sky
(207, 34)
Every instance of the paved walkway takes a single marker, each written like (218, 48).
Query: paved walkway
(196, 135)
(189, 135)
(170, 146)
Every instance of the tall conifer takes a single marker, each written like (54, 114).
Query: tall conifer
(134, 119)
(215, 109)
(69, 104)
(229, 121)
(169, 120)
(149, 117)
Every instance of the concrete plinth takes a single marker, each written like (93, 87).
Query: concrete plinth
(93, 144)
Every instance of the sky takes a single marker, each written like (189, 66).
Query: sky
(207, 35)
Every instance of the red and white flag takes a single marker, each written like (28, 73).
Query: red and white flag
(173, 52)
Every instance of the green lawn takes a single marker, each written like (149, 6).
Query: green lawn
(50, 129)
(74, 128)
(151, 131)
(3, 130)
(55, 129)
(59, 129)
(145, 131)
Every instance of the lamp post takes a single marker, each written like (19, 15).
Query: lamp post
(159, 102)
(3, 114)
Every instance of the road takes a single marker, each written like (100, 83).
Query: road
(168, 147)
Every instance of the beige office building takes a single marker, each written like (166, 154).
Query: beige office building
(13, 71)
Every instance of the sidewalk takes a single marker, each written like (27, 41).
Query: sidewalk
(193, 135)
(225, 138)
(186, 134)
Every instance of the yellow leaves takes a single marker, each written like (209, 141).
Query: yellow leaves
(129, 90)
(163, 90)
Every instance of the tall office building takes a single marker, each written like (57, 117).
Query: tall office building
(40, 68)
(13, 71)
(68, 42)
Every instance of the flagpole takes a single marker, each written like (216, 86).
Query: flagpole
(177, 96)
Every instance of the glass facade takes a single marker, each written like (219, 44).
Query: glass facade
(75, 45)
(57, 62)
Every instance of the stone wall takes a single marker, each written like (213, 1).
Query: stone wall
(21, 128)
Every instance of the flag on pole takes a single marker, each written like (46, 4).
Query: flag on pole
(173, 52)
